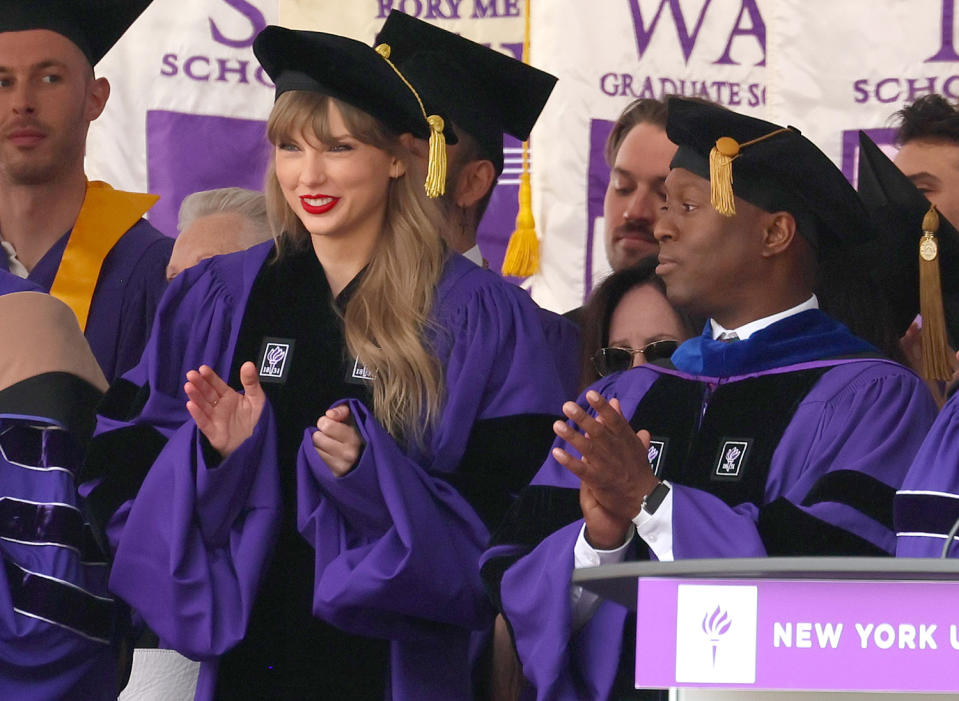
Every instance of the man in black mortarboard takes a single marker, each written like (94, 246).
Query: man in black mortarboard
(901, 212)
(485, 93)
(928, 140)
(84, 242)
(777, 432)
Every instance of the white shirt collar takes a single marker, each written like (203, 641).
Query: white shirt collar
(13, 263)
(474, 255)
(747, 330)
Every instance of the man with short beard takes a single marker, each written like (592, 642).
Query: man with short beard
(83, 242)
(638, 153)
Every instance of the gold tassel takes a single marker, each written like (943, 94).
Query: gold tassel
(935, 348)
(436, 168)
(522, 253)
(436, 161)
(721, 158)
(721, 175)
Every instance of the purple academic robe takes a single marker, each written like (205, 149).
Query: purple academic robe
(927, 506)
(132, 279)
(565, 339)
(57, 619)
(829, 471)
(397, 540)
(13, 283)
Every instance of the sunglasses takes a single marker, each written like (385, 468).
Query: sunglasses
(610, 360)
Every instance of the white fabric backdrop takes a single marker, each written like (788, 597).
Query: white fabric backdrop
(829, 67)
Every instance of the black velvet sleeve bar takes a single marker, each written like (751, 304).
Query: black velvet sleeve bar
(858, 490)
(787, 530)
(501, 457)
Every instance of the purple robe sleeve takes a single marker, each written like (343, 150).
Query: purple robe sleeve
(196, 538)
(190, 537)
(396, 549)
(927, 506)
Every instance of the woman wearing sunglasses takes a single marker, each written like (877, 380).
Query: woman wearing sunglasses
(317, 534)
(628, 321)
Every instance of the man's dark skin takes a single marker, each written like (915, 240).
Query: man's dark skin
(732, 269)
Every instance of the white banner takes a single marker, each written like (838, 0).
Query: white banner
(607, 54)
(188, 103)
(188, 99)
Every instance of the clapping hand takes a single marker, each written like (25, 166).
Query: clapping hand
(614, 470)
(337, 441)
(225, 416)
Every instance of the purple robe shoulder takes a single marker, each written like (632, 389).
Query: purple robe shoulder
(828, 490)
(927, 505)
(131, 282)
(564, 338)
(398, 539)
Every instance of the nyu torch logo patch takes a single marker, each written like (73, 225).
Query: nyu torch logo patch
(731, 460)
(657, 453)
(274, 360)
(358, 374)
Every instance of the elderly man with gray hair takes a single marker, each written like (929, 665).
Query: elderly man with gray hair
(214, 222)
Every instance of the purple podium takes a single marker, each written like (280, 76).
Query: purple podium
(800, 624)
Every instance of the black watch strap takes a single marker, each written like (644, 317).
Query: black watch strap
(652, 500)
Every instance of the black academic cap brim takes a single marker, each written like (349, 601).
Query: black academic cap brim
(93, 25)
(785, 172)
(485, 92)
(897, 208)
(345, 69)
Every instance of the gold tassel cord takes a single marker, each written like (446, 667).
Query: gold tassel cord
(721, 158)
(436, 161)
(935, 348)
(436, 165)
(522, 252)
(721, 175)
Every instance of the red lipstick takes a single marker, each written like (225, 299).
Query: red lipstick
(318, 204)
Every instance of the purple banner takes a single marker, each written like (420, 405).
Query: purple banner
(797, 635)
(190, 152)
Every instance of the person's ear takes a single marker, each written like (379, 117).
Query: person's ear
(98, 92)
(475, 179)
(397, 168)
(778, 234)
(415, 146)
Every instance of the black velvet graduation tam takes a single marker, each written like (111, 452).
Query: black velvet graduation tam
(348, 70)
(485, 92)
(93, 25)
(897, 208)
(781, 170)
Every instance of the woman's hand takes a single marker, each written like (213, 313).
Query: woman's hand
(224, 416)
(337, 441)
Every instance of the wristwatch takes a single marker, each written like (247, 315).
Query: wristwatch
(652, 500)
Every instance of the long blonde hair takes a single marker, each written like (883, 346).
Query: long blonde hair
(387, 317)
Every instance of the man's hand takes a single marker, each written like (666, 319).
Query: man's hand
(614, 467)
